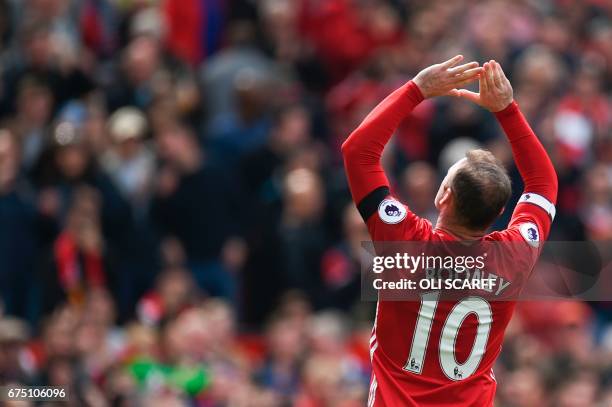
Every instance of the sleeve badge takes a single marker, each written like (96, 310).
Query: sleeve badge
(530, 233)
(391, 211)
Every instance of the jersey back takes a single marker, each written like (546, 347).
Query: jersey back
(437, 352)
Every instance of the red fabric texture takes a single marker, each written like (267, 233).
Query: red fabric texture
(70, 272)
(184, 19)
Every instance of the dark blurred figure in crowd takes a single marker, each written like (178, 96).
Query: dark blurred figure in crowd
(43, 56)
(262, 180)
(597, 212)
(80, 212)
(246, 128)
(290, 134)
(34, 107)
(174, 291)
(285, 352)
(14, 335)
(68, 165)
(56, 362)
(18, 239)
(5, 23)
(145, 73)
(418, 181)
(135, 83)
(196, 202)
(340, 265)
(331, 372)
(78, 262)
(130, 162)
(238, 66)
(302, 236)
(526, 387)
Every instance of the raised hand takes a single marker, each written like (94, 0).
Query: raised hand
(495, 92)
(445, 78)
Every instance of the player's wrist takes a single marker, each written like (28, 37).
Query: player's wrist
(419, 86)
(509, 109)
(414, 92)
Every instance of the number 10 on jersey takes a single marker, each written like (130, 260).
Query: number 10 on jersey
(447, 358)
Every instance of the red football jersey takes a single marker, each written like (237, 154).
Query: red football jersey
(441, 353)
(436, 353)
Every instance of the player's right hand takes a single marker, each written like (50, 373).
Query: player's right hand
(445, 78)
(495, 92)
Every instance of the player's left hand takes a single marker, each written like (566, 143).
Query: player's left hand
(445, 78)
(495, 92)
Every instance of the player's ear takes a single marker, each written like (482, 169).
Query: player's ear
(446, 198)
(501, 211)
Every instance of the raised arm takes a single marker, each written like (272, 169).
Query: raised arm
(363, 148)
(531, 159)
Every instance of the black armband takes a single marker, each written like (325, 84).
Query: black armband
(369, 204)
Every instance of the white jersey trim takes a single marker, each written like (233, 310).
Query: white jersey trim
(372, 393)
(539, 200)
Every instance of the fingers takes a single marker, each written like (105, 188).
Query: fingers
(453, 92)
(466, 94)
(504, 80)
(495, 89)
(501, 71)
(452, 62)
(497, 75)
(489, 75)
(470, 73)
(462, 68)
(482, 82)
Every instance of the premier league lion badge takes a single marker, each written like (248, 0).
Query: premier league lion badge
(391, 211)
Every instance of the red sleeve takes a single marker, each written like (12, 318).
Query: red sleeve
(387, 218)
(536, 205)
(363, 148)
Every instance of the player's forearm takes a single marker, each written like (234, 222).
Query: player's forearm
(530, 157)
(363, 148)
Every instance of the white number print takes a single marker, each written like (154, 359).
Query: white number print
(448, 362)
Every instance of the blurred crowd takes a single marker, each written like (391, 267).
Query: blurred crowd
(175, 223)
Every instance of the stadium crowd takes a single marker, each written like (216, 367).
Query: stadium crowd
(175, 223)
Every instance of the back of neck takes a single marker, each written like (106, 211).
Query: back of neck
(458, 231)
